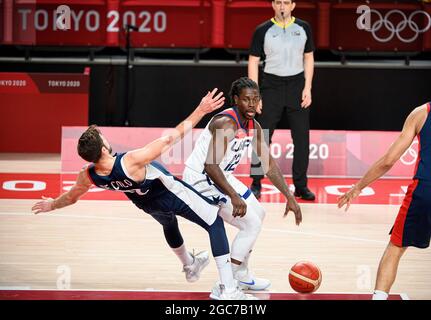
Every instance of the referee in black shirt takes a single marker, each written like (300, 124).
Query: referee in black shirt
(285, 44)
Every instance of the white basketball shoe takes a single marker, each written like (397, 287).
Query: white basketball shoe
(247, 281)
(219, 292)
(193, 271)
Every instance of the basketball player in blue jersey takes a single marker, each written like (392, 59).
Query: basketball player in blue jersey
(412, 226)
(210, 167)
(153, 189)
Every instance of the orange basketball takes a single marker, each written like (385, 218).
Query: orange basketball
(305, 277)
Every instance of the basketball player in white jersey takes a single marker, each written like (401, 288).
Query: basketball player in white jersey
(210, 167)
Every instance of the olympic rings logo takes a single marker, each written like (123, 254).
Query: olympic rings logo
(411, 155)
(364, 23)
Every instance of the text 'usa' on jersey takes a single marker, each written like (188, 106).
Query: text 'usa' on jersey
(236, 148)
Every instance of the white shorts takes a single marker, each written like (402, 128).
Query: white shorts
(208, 189)
(202, 183)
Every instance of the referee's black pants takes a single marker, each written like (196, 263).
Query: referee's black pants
(283, 95)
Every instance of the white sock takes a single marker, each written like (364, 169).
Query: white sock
(380, 295)
(244, 264)
(236, 267)
(225, 271)
(243, 243)
(182, 253)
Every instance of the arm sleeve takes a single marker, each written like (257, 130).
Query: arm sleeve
(309, 44)
(256, 47)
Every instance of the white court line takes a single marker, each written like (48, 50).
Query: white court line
(15, 288)
(71, 216)
(56, 264)
(191, 223)
(325, 235)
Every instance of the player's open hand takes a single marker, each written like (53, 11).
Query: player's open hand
(346, 198)
(211, 102)
(43, 206)
(292, 205)
(239, 206)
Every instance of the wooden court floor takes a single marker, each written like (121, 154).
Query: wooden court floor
(114, 246)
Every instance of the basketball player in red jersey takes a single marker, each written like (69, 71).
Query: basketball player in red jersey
(413, 224)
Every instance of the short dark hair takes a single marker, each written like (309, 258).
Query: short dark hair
(239, 85)
(90, 144)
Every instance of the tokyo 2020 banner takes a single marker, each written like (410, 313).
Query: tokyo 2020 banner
(341, 26)
(332, 153)
(34, 107)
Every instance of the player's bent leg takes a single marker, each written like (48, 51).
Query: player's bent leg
(249, 228)
(227, 288)
(256, 206)
(244, 271)
(260, 211)
(220, 250)
(387, 271)
(193, 270)
(193, 264)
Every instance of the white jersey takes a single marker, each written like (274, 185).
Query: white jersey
(236, 148)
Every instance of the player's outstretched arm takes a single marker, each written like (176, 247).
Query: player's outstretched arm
(411, 128)
(273, 172)
(81, 186)
(153, 150)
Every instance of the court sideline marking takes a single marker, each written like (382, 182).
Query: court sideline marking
(313, 234)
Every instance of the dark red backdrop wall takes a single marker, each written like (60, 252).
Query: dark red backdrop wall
(35, 106)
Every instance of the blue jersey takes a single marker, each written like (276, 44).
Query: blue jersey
(423, 164)
(412, 226)
(159, 193)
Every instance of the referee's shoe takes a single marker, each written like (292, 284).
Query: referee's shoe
(304, 194)
(256, 188)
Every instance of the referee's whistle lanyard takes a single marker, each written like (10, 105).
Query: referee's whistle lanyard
(292, 20)
(284, 23)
